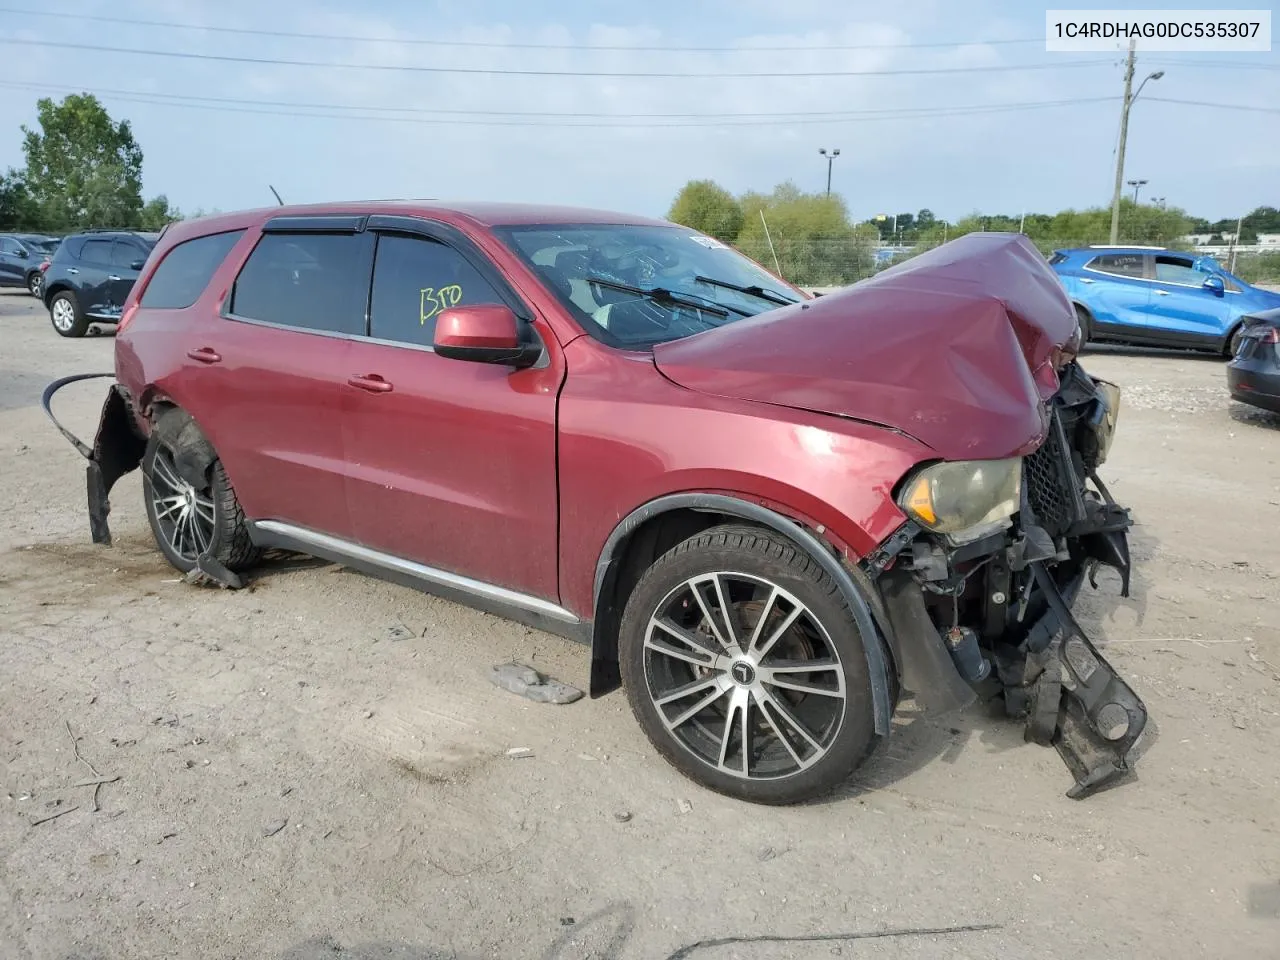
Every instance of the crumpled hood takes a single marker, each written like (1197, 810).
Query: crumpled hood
(954, 347)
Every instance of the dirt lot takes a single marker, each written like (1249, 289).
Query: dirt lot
(410, 834)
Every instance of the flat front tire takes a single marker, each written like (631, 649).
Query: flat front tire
(745, 669)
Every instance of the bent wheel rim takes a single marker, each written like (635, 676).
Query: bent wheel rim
(64, 318)
(185, 516)
(744, 677)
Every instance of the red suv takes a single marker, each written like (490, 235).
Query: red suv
(767, 514)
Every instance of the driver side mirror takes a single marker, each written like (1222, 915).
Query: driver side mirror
(137, 265)
(1215, 286)
(484, 333)
(21, 254)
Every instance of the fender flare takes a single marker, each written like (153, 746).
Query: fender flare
(877, 663)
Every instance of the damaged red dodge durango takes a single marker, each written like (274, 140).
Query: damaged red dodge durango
(769, 515)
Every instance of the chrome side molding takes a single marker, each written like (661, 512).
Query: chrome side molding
(336, 547)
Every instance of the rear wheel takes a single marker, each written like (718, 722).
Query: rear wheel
(35, 283)
(745, 669)
(1233, 342)
(192, 519)
(67, 317)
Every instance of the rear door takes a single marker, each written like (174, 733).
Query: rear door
(89, 277)
(124, 254)
(451, 463)
(1180, 304)
(1116, 289)
(267, 378)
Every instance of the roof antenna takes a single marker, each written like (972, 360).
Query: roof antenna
(273, 190)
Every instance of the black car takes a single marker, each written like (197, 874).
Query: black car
(1253, 375)
(20, 257)
(90, 276)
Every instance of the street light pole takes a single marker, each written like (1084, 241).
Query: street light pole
(830, 159)
(1129, 98)
(1137, 185)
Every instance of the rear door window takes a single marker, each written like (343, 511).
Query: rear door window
(186, 270)
(125, 254)
(1119, 264)
(96, 251)
(414, 279)
(311, 281)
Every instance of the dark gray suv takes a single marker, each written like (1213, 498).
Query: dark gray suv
(90, 276)
(21, 255)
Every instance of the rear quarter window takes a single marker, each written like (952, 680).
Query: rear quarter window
(1119, 264)
(186, 270)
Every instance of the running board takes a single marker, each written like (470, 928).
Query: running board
(533, 611)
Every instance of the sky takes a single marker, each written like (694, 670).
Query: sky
(216, 133)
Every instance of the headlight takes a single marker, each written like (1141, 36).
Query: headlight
(1105, 418)
(953, 497)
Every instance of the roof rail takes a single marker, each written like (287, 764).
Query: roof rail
(108, 230)
(1122, 246)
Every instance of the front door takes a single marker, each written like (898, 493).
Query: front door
(450, 463)
(266, 380)
(1180, 303)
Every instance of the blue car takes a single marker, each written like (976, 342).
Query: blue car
(1157, 297)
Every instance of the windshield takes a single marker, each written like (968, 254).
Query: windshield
(635, 285)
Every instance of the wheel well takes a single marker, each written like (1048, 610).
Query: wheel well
(56, 289)
(634, 554)
(1231, 334)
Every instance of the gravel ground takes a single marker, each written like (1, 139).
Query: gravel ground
(295, 784)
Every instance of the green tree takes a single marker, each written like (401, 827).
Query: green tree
(83, 169)
(815, 242)
(706, 206)
(17, 212)
(156, 214)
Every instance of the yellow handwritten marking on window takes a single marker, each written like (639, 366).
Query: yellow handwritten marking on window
(433, 300)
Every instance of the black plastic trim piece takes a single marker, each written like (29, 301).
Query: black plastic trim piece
(316, 224)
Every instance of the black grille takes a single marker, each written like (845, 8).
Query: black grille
(1051, 483)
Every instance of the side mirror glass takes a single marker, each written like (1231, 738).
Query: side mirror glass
(22, 254)
(137, 265)
(484, 333)
(1215, 286)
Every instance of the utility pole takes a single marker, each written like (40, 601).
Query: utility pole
(1124, 133)
(1129, 99)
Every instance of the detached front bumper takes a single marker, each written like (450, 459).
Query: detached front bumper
(117, 448)
(993, 617)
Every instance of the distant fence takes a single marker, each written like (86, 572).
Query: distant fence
(836, 263)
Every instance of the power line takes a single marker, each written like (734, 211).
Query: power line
(488, 44)
(495, 71)
(584, 121)
(1216, 106)
(291, 105)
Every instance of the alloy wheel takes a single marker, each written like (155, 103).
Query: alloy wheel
(34, 284)
(64, 315)
(185, 516)
(744, 676)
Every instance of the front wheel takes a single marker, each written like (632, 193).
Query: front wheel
(745, 668)
(35, 284)
(188, 519)
(67, 317)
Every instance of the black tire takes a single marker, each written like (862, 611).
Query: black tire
(757, 558)
(66, 315)
(1086, 326)
(1233, 342)
(225, 536)
(35, 283)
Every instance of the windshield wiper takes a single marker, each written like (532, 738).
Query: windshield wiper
(759, 292)
(663, 295)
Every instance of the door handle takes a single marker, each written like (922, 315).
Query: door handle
(72, 270)
(205, 355)
(1162, 293)
(1087, 280)
(113, 277)
(370, 382)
